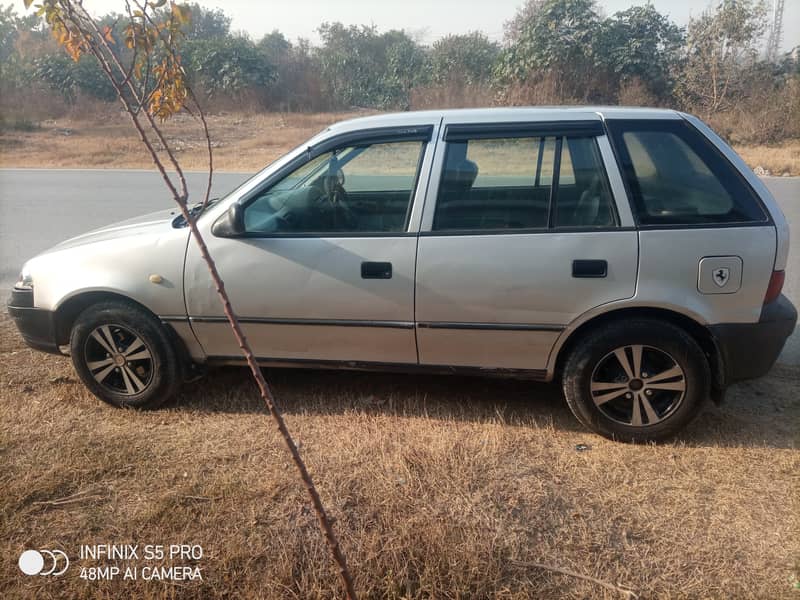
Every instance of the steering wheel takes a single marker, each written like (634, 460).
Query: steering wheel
(335, 199)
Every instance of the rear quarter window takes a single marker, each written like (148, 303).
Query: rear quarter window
(675, 176)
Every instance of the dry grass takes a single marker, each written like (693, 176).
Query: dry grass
(779, 159)
(438, 486)
(243, 142)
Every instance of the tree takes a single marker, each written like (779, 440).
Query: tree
(721, 45)
(469, 58)
(226, 65)
(514, 27)
(204, 23)
(350, 64)
(301, 84)
(70, 78)
(15, 68)
(12, 26)
(639, 43)
(406, 66)
(274, 46)
(152, 87)
(361, 67)
(275, 50)
(554, 37)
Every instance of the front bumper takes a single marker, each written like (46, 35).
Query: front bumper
(37, 326)
(748, 350)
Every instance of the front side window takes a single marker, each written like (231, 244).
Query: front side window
(523, 183)
(676, 177)
(354, 189)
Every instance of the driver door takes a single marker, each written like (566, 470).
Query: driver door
(325, 270)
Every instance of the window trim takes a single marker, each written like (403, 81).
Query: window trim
(617, 218)
(531, 231)
(462, 132)
(539, 160)
(632, 190)
(584, 129)
(378, 135)
(552, 202)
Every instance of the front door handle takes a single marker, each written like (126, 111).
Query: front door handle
(376, 270)
(589, 268)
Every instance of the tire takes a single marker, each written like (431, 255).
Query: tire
(145, 374)
(649, 406)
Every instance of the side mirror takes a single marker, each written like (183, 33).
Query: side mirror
(231, 223)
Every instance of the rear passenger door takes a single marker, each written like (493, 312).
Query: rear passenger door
(522, 232)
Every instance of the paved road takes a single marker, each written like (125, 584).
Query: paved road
(787, 191)
(39, 208)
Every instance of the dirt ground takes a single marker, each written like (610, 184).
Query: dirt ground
(441, 487)
(242, 142)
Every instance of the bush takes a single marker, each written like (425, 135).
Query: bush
(635, 92)
(227, 66)
(538, 90)
(766, 116)
(454, 94)
(69, 78)
(17, 124)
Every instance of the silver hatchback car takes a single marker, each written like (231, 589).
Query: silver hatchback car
(628, 253)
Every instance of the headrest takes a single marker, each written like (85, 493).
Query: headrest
(462, 174)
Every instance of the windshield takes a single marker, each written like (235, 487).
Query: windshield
(302, 175)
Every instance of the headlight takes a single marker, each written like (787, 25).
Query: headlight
(25, 280)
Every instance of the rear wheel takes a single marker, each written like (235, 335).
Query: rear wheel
(637, 380)
(124, 356)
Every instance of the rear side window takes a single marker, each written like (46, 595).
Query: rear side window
(677, 177)
(583, 197)
(523, 183)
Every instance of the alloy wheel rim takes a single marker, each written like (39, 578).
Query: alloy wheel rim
(637, 385)
(119, 359)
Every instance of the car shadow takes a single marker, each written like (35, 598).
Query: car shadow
(332, 392)
(759, 413)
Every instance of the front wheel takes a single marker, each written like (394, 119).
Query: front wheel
(123, 355)
(637, 380)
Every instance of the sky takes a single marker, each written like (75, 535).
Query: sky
(426, 20)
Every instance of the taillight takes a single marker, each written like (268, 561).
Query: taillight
(775, 286)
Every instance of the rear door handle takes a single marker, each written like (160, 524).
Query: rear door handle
(589, 268)
(376, 270)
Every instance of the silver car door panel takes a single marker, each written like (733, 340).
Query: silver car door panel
(503, 281)
(307, 278)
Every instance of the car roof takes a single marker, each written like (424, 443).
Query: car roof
(502, 114)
